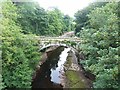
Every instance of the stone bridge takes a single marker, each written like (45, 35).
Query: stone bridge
(46, 42)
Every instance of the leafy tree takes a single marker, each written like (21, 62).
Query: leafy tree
(69, 26)
(101, 46)
(1, 83)
(56, 23)
(81, 15)
(19, 52)
(32, 18)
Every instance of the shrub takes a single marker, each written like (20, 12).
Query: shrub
(100, 46)
(19, 52)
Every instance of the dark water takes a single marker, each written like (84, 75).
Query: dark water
(49, 74)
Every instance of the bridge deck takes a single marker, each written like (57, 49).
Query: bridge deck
(59, 39)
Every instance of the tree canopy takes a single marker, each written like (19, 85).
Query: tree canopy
(34, 19)
(81, 17)
(19, 52)
(101, 45)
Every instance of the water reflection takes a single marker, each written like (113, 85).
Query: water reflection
(55, 73)
(48, 75)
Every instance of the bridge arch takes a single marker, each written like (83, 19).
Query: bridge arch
(45, 42)
(73, 45)
(51, 45)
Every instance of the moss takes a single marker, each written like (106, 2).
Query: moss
(74, 79)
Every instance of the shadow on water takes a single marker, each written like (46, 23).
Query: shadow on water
(43, 77)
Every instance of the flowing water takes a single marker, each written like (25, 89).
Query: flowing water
(50, 71)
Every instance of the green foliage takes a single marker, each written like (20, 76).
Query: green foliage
(19, 52)
(82, 18)
(58, 23)
(69, 26)
(34, 19)
(55, 21)
(100, 46)
(1, 83)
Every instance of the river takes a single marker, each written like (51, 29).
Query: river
(60, 69)
(48, 76)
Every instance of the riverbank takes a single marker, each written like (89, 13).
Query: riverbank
(74, 74)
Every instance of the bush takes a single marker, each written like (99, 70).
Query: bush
(100, 46)
(19, 52)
